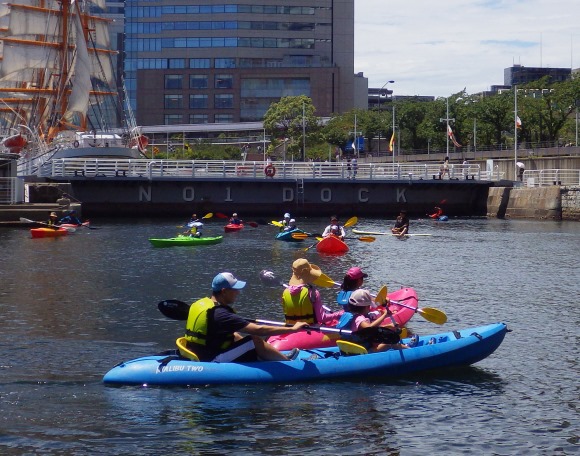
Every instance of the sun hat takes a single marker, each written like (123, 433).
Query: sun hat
(225, 281)
(286, 215)
(53, 214)
(303, 272)
(235, 214)
(361, 298)
(356, 273)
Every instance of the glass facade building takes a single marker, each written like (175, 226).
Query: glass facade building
(195, 61)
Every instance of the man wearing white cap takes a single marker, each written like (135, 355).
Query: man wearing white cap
(212, 328)
(284, 223)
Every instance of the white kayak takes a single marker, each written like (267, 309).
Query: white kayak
(378, 233)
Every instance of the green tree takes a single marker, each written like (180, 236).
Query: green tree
(290, 118)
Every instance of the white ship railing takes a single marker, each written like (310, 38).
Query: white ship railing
(548, 177)
(153, 169)
(10, 192)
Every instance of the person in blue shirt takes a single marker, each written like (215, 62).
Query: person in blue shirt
(71, 219)
(234, 220)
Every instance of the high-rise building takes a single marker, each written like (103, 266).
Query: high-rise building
(519, 74)
(202, 61)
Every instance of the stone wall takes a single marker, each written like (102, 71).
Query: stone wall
(571, 203)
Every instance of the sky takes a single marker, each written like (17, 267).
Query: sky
(438, 48)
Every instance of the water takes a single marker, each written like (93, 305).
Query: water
(73, 307)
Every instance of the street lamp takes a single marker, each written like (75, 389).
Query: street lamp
(379, 112)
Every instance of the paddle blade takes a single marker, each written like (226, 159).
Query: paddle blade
(325, 282)
(367, 239)
(351, 222)
(300, 235)
(433, 315)
(381, 296)
(220, 215)
(278, 224)
(208, 215)
(174, 309)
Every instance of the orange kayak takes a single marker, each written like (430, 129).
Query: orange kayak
(332, 244)
(47, 232)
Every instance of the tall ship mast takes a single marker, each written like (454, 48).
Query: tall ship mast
(58, 95)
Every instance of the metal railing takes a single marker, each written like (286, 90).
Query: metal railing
(152, 169)
(8, 190)
(549, 177)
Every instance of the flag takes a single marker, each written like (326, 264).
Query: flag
(518, 122)
(392, 142)
(452, 136)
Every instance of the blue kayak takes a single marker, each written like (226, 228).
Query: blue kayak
(287, 235)
(435, 351)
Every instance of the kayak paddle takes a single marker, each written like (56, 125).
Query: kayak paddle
(179, 310)
(54, 227)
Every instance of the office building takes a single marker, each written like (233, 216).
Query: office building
(196, 61)
(519, 74)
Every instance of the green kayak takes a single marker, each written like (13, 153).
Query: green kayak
(185, 240)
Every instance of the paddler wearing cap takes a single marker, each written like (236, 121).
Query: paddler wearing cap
(364, 332)
(301, 301)
(335, 228)
(235, 220)
(212, 328)
(353, 280)
(285, 222)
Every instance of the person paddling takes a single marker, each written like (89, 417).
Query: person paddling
(284, 223)
(437, 212)
(401, 224)
(53, 220)
(195, 227)
(213, 329)
(335, 228)
(234, 220)
(71, 218)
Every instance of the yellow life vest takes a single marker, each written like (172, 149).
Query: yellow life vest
(200, 322)
(298, 306)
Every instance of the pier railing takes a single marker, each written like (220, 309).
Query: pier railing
(154, 169)
(548, 177)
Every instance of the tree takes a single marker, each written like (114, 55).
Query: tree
(290, 118)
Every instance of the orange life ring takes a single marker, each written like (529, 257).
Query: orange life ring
(270, 171)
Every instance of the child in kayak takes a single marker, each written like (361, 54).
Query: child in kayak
(371, 335)
(334, 228)
(353, 280)
(234, 220)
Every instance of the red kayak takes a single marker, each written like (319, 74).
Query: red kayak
(314, 339)
(332, 245)
(47, 232)
(230, 228)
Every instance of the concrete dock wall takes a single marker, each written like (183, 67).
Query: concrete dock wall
(544, 203)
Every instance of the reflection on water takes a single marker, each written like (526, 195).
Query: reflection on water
(73, 307)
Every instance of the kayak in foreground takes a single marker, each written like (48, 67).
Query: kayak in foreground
(315, 339)
(378, 233)
(434, 351)
(48, 232)
(185, 241)
(332, 245)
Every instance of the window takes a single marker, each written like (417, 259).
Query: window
(224, 101)
(198, 81)
(198, 118)
(197, 101)
(173, 101)
(176, 63)
(224, 118)
(199, 63)
(173, 81)
(172, 119)
(225, 63)
(224, 81)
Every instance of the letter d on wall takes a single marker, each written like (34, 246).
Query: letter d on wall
(287, 194)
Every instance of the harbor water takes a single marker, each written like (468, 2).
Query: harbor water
(75, 306)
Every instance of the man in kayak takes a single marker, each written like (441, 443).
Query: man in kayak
(401, 224)
(234, 220)
(301, 301)
(284, 223)
(71, 219)
(437, 212)
(334, 228)
(291, 225)
(213, 328)
(195, 226)
(52, 219)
